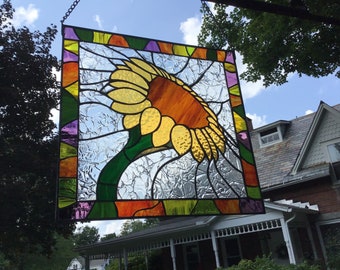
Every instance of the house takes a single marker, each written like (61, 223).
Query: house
(298, 164)
(77, 264)
(95, 264)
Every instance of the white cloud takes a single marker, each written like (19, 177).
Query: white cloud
(98, 20)
(257, 120)
(113, 227)
(25, 16)
(190, 29)
(309, 112)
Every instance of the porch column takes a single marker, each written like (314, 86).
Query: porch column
(286, 237)
(311, 239)
(146, 260)
(87, 262)
(125, 259)
(173, 254)
(215, 248)
(120, 261)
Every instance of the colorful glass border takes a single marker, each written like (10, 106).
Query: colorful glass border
(68, 206)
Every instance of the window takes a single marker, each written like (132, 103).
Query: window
(272, 133)
(334, 157)
(269, 136)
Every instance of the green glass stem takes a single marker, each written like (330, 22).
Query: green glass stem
(110, 175)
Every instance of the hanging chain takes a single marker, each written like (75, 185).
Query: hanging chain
(206, 9)
(70, 10)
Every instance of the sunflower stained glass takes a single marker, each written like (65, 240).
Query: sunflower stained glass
(151, 128)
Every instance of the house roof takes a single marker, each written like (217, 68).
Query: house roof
(78, 259)
(280, 164)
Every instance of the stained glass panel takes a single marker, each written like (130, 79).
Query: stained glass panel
(151, 128)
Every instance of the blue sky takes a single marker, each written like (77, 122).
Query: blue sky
(177, 21)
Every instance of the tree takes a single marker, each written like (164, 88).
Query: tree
(131, 226)
(28, 149)
(108, 236)
(59, 259)
(86, 236)
(274, 46)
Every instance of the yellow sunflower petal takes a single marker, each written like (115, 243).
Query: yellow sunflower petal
(162, 73)
(181, 139)
(162, 135)
(216, 139)
(150, 120)
(216, 129)
(129, 76)
(211, 144)
(123, 67)
(147, 75)
(204, 143)
(144, 65)
(189, 90)
(179, 82)
(196, 149)
(130, 109)
(211, 113)
(130, 85)
(127, 96)
(131, 120)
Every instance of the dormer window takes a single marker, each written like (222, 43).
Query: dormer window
(270, 136)
(273, 133)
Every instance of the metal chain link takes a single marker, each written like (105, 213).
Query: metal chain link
(70, 10)
(206, 9)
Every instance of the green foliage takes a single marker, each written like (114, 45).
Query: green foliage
(138, 262)
(130, 226)
(4, 263)
(265, 262)
(275, 46)
(28, 150)
(59, 260)
(108, 236)
(86, 236)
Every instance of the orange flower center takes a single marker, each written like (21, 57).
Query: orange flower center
(174, 101)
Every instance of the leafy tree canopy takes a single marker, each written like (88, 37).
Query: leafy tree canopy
(86, 236)
(275, 46)
(131, 226)
(108, 236)
(28, 149)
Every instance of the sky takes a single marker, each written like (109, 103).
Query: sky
(175, 21)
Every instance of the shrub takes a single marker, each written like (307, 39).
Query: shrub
(267, 263)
